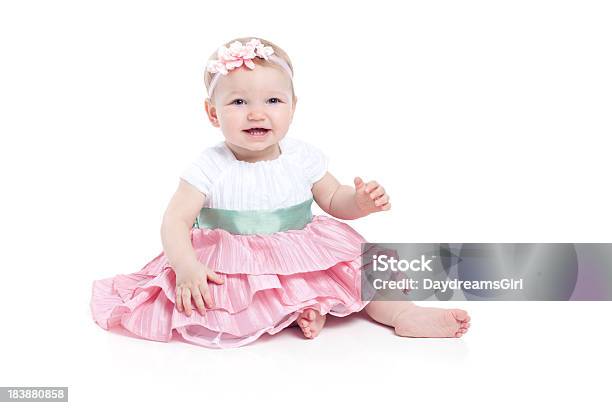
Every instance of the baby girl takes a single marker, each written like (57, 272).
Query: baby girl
(243, 254)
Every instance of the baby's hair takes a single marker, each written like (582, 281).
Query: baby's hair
(278, 51)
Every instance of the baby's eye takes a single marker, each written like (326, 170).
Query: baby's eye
(274, 100)
(240, 102)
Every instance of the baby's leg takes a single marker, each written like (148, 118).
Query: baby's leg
(410, 320)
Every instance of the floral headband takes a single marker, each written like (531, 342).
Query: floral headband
(238, 54)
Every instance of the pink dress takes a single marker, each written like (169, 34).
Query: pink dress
(257, 231)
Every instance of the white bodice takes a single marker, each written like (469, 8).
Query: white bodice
(231, 184)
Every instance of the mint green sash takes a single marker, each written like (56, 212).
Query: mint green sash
(256, 221)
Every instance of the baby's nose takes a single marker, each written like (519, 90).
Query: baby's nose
(255, 115)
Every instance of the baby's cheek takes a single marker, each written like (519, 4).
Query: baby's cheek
(228, 115)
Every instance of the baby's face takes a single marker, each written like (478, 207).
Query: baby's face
(259, 99)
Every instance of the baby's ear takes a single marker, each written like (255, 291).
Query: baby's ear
(208, 103)
(211, 111)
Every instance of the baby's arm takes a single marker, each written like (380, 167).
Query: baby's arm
(346, 202)
(191, 275)
(176, 226)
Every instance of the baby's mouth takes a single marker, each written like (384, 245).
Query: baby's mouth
(257, 131)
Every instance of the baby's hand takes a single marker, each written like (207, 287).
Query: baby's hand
(192, 283)
(371, 197)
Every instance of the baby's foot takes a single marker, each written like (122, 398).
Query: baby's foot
(311, 323)
(417, 321)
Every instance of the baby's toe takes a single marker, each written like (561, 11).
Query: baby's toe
(460, 315)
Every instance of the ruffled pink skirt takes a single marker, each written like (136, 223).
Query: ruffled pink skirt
(269, 280)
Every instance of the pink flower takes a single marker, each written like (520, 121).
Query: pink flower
(237, 54)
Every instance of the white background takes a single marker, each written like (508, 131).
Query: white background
(486, 122)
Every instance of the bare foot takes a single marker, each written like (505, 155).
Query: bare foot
(417, 321)
(311, 323)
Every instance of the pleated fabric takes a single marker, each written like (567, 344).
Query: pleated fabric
(269, 279)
